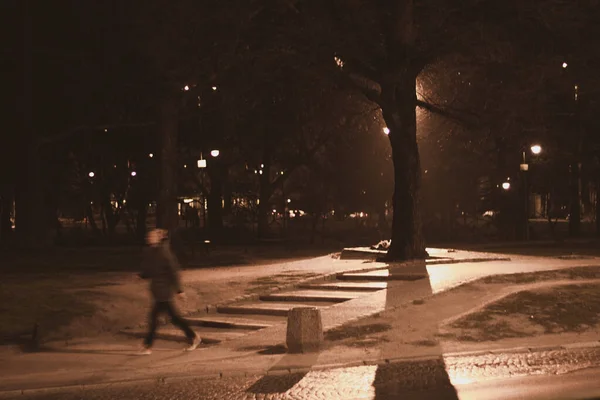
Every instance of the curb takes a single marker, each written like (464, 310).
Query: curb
(564, 347)
(289, 371)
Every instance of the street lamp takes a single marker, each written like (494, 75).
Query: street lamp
(506, 185)
(524, 167)
(133, 173)
(91, 174)
(150, 155)
(215, 153)
(201, 163)
(565, 65)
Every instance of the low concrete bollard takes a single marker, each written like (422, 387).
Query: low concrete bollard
(304, 330)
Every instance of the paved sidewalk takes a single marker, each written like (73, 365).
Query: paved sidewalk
(257, 353)
(447, 377)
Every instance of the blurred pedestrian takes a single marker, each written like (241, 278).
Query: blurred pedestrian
(162, 269)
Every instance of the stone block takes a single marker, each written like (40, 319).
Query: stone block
(304, 330)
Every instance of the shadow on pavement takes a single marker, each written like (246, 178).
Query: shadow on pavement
(410, 379)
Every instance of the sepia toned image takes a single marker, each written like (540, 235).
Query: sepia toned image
(300, 199)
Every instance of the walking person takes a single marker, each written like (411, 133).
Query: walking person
(161, 268)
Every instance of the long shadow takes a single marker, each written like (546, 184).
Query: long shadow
(280, 379)
(425, 379)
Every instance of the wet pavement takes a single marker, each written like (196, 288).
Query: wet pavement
(438, 378)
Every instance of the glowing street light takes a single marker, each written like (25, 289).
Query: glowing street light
(201, 163)
(91, 174)
(536, 149)
(215, 153)
(386, 130)
(186, 88)
(214, 88)
(289, 200)
(150, 155)
(133, 173)
(565, 65)
(506, 185)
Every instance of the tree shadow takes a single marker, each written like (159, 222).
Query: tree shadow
(280, 377)
(423, 379)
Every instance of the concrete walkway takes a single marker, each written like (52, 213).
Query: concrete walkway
(257, 352)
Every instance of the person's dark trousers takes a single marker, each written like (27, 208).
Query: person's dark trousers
(166, 306)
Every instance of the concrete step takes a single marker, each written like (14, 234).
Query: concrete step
(208, 335)
(312, 295)
(228, 322)
(382, 275)
(266, 308)
(351, 286)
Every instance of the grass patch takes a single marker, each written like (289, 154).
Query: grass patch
(52, 303)
(572, 308)
(355, 332)
(541, 276)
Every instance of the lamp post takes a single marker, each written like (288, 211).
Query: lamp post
(202, 166)
(535, 149)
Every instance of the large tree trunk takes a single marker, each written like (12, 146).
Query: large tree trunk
(31, 228)
(399, 100)
(597, 206)
(166, 213)
(6, 204)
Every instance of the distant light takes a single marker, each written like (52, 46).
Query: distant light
(386, 130)
(565, 65)
(214, 88)
(260, 172)
(105, 130)
(186, 88)
(256, 171)
(281, 172)
(338, 61)
(201, 163)
(215, 153)
(262, 165)
(91, 174)
(150, 155)
(115, 166)
(187, 201)
(274, 211)
(506, 185)
(536, 149)
(289, 200)
(184, 165)
(133, 173)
